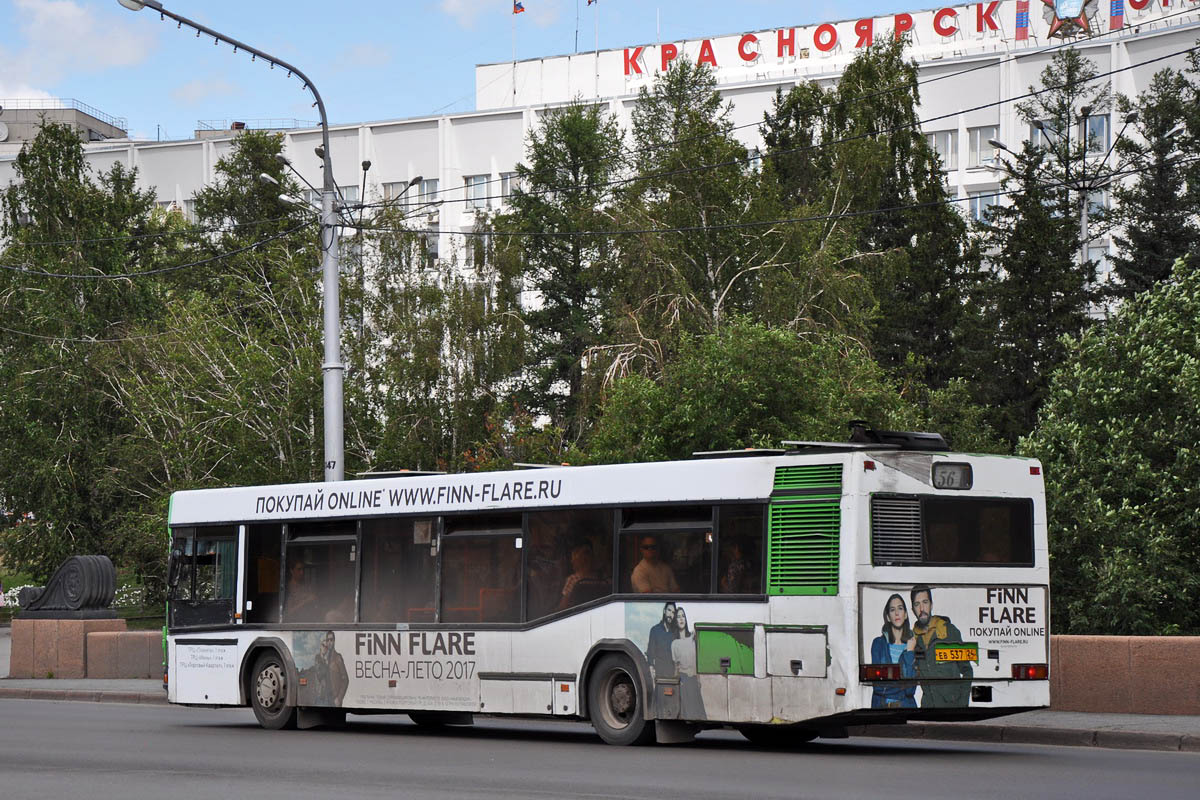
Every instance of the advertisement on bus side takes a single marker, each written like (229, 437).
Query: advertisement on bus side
(388, 669)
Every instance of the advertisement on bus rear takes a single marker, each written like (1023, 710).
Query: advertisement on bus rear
(932, 641)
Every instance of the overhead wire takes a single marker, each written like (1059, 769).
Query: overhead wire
(760, 223)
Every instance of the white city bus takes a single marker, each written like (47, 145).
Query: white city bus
(785, 593)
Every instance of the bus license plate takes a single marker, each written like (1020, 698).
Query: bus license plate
(956, 654)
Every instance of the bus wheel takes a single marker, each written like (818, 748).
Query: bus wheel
(616, 703)
(268, 693)
(777, 735)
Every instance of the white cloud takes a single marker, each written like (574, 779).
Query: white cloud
(59, 37)
(21, 91)
(202, 89)
(465, 11)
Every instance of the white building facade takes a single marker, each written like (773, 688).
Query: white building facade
(974, 59)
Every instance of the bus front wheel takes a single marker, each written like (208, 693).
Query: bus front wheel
(268, 693)
(616, 702)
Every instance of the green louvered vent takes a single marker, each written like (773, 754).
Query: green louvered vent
(809, 476)
(803, 551)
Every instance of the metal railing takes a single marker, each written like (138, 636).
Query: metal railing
(254, 124)
(64, 104)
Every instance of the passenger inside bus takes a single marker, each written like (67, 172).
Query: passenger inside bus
(300, 599)
(653, 575)
(584, 583)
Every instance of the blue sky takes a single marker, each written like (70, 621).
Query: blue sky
(370, 59)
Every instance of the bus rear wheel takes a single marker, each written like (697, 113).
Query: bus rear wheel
(777, 735)
(268, 693)
(617, 704)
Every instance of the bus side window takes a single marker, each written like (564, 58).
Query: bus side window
(320, 572)
(568, 560)
(666, 549)
(399, 567)
(481, 568)
(739, 563)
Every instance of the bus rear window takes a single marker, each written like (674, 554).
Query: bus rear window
(949, 531)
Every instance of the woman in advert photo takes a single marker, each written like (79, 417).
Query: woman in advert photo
(895, 645)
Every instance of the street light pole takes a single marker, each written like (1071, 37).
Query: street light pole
(332, 369)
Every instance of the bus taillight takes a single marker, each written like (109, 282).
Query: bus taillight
(1030, 672)
(879, 672)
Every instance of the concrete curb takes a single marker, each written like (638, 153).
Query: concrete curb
(1026, 734)
(137, 698)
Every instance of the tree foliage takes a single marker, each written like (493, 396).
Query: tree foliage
(566, 187)
(1118, 440)
(857, 149)
(746, 385)
(1157, 208)
(59, 342)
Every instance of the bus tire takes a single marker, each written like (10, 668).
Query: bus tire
(268, 693)
(777, 735)
(616, 702)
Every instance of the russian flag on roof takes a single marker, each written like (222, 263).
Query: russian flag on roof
(1116, 15)
(518, 8)
(1022, 20)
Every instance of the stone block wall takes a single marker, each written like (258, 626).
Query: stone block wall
(54, 648)
(1125, 674)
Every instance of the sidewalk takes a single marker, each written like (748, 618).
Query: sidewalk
(1070, 728)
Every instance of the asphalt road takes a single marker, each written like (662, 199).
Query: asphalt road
(50, 749)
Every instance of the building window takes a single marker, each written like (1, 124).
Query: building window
(1095, 133)
(349, 193)
(508, 183)
(1098, 255)
(1097, 202)
(945, 144)
(427, 191)
(983, 154)
(475, 248)
(1043, 138)
(477, 191)
(980, 202)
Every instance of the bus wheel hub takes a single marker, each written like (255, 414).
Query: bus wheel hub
(622, 698)
(270, 687)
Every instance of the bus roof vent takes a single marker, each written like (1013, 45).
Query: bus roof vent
(809, 476)
(905, 440)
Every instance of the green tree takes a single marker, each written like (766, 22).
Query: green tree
(1063, 109)
(746, 385)
(857, 148)
(1156, 209)
(565, 185)
(693, 179)
(1028, 297)
(444, 342)
(1118, 439)
(60, 340)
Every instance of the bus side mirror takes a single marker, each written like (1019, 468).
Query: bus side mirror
(174, 565)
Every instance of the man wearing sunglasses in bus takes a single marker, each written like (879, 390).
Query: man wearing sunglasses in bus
(652, 575)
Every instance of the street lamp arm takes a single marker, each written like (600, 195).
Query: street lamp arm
(332, 368)
(137, 5)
